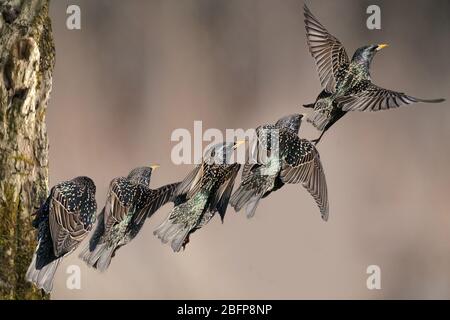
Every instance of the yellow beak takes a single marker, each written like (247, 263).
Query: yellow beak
(238, 143)
(382, 46)
(154, 166)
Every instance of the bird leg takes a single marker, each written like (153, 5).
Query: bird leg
(316, 141)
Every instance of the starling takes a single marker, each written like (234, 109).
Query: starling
(205, 191)
(347, 85)
(129, 202)
(63, 221)
(291, 160)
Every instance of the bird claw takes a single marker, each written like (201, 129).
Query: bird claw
(186, 241)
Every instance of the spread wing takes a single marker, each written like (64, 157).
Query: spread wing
(155, 199)
(374, 98)
(303, 166)
(66, 228)
(328, 52)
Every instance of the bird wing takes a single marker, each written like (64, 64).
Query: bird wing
(97, 235)
(306, 168)
(115, 210)
(155, 199)
(191, 183)
(327, 50)
(247, 170)
(223, 194)
(374, 98)
(66, 228)
(252, 152)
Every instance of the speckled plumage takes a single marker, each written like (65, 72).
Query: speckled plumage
(289, 160)
(346, 83)
(129, 202)
(63, 221)
(205, 191)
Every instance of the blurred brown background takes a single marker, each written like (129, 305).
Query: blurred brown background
(139, 69)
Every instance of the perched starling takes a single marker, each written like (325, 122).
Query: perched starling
(205, 191)
(129, 202)
(291, 160)
(63, 221)
(346, 84)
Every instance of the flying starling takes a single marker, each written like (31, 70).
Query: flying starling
(63, 221)
(129, 202)
(289, 160)
(346, 84)
(205, 191)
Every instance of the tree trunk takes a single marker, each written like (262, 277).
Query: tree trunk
(26, 63)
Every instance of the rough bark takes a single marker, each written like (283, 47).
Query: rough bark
(26, 64)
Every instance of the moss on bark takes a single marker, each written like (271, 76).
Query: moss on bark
(26, 62)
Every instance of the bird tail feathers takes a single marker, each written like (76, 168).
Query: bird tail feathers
(99, 258)
(176, 233)
(245, 198)
(98, 254)
(43, 277)
(252, 204)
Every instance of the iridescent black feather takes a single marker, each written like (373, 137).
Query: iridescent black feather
(346, 84)
(129, 203)
(63, 221)
(289, 159)
(203, 193)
